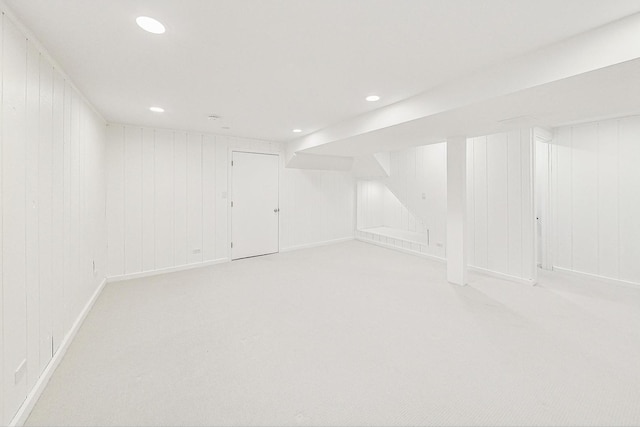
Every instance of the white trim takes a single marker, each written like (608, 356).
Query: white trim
(267, 152)
(608, 280)
(32, 398)
(399, 249)
(148, 273)
(502, 275)
(316, 244)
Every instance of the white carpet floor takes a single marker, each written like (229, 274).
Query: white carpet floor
(350, 334)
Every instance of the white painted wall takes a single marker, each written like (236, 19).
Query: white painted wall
(377, 206)
(596, 198)
(168, 197)
(500, 204)
(418, 178)
(315, 207)
(413, 197)
(51, 209)
(499, 197)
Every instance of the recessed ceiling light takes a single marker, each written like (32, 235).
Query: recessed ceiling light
(157, 109)
(372, 98)
(297, 130)
(149, 24)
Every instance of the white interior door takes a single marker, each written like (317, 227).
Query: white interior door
(255, 208)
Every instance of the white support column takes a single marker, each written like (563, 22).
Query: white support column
(457, 210)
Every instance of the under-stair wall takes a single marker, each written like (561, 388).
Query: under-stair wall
(501, 237)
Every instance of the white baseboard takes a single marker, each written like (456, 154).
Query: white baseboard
(595, 276)
(440, 259)
(165, 270)
(501, 275)
(399, 249)
(32, 398)
(316, 244)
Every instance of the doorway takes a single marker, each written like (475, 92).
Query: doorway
(255, 207)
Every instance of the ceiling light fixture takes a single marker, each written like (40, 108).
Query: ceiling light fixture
(297, 130)
(157, 109)
(149, 24)
(372, 98)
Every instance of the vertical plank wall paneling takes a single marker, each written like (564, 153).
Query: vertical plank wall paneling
(132, 201)
(497, 202)
(2, 316)
(214, 180)
(180, 199)
(32, 115)
(193, 198)
(45, 155)
(377, 206)
(597, 198)
(168, 195)
(14, 200)
(417, 180)
(147, 219)
(499, 196)
(164, 200)
(501, 218)
(52, 208)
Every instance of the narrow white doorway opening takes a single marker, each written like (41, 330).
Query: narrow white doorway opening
(255, 205)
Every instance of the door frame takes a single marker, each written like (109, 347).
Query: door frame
(230, 152)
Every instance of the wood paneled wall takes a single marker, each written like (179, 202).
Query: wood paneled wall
(596, 198)
(500, 203)
(168, 199)
(53, 255)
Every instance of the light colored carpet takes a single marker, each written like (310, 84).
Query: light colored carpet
(350, 334)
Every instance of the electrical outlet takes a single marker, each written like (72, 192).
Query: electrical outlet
(439, 244)
(424, 196)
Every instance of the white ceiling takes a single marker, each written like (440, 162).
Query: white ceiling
(615, 92)
(270, 66)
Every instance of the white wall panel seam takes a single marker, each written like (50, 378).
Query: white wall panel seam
(508, 207)
(486, 184)
(124, 198)
(155, 226)
(142, 196)
(473, 197)
(571, 191)
(173, 198)
(597, 199)
(2, 293)
(523, 147)
(26, 201)
(618, 197)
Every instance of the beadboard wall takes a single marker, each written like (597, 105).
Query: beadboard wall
(52, 250)
(596, 198)
(168, 197)
(377, 206)
(501, 220)
(499, 190)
